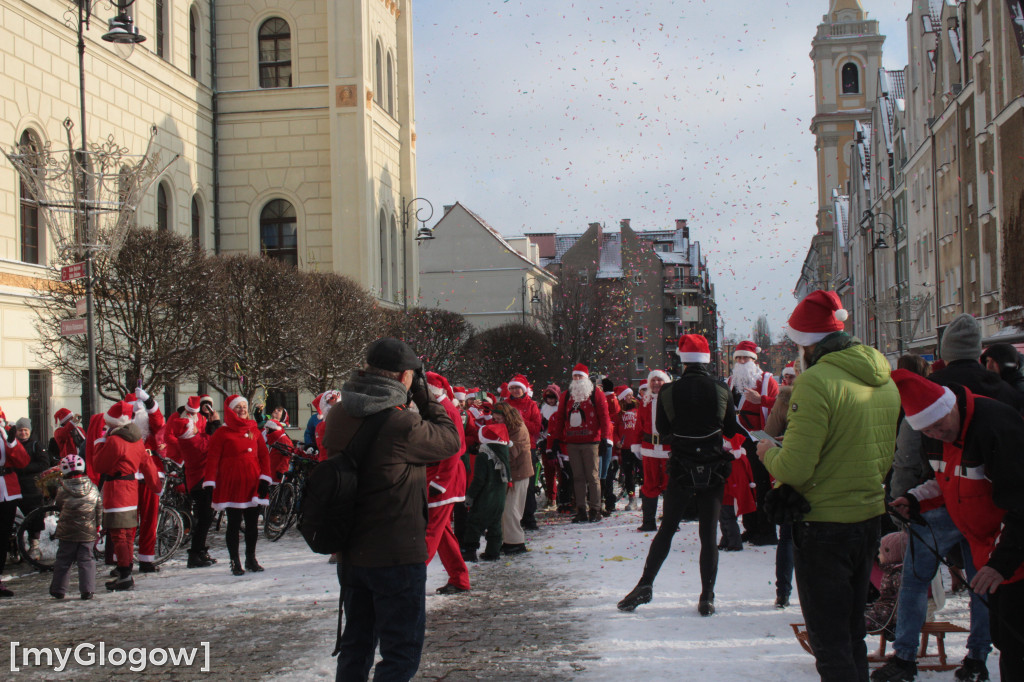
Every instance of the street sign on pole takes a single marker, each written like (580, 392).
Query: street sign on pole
(80, 306)
(72, 272)
(74, 327)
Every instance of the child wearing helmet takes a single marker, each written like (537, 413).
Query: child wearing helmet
(80, 510)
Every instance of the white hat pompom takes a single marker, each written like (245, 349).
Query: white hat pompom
(842, 315)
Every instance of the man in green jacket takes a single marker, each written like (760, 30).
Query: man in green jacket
(838, 448)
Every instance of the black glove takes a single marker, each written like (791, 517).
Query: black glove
(418, 391)
(263, 489)
(12, 433)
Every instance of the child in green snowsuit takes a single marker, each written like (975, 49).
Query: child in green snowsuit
(485, 498)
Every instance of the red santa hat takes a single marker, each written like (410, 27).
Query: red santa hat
(789, 369)
(193, 404)
(746, 349)
(441, 384)
(503, 391)
(63, 416)
(820, 313)
(552, 389)
(642, 387)
(693, 348)
(490, 398)
(519, 381)
(459, 392)
(623, 392)
(119, 414)
(130, 398)
(924, 401)
(234, 401)
(494, 433)
(273, 425)
(205, 399)
(580, 370)
(658, 374)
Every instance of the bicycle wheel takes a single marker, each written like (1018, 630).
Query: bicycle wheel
(279, 513)
(46, 519)
(170, 534)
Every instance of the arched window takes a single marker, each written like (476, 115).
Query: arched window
(851, 79)
(275, 54)
(391, 85)
(279, 235)
(193, 43)
(29, 207)
(161, 29)
(397, 256)
(197, 222)
(378, 80)
(163, 209)
(385, 262)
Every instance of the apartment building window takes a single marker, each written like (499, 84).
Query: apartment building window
(385, 261)
(275, 54)
(39, 386)
(161, 29)
(197, 222)
(639, 333)
(640, 364)
(279, 232)
(851, 79)
(378, 72)
(638, 278)
(29, 208)
(170, 398)
(638, 305)
(193, 43)
(391, 85)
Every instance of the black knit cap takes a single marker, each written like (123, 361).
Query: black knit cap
(392, 355)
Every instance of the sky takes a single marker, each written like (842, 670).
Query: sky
(544, 115)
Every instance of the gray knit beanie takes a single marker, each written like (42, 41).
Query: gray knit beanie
(962, 340)
(23, 423)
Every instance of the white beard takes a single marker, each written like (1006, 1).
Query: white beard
(141, 419)
(580, 389)
(745, 376)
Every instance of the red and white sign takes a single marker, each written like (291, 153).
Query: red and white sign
(80, 306)
(72, 272)
(74, 327)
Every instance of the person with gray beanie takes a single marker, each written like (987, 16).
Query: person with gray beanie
(961, 351)
(31, 496)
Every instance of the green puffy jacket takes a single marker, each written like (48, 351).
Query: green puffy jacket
(841, 435)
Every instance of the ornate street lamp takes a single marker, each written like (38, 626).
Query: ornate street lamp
(423, 234)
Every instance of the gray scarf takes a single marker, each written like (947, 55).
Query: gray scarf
(365, 394)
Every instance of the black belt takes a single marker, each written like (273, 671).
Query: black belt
(121, 477)
(651, 439)
(6, 470)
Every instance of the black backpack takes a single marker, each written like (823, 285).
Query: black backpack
(329, 498)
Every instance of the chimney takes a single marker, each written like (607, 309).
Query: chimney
(681, 226)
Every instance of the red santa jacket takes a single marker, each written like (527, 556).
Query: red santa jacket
(649, 441)
(626, 435)
(193, 442)
(530, 414)
(613, 405)
(584, 422)
(753, 416)
(446, 480)
(124, 464)
(168, 436)
(151, 433)
(12, 456)
(236, 439)
(97, 429)
(280, 461)
(66, 439)
(740, 486)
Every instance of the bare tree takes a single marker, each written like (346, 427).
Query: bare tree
(342, 319)
(762, 335)
(436, 335)
(152, 322)
(493, 356)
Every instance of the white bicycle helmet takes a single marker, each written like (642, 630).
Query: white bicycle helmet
(72, 464)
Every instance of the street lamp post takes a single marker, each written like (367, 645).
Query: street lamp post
(534, 299)
(868, 219)
(424, 233)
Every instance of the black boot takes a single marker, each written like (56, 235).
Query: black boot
(468, 553)
(236, 566)
(251, 564)
(641, 594)
(195, 560)
(706, 605)
(606, 495)
(205, 555)
(148, 567)
(123, 581)
(581, 515)
(895, 669)
(649, 505)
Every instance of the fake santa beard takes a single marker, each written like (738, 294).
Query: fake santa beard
(580, 389)
(141, 419)
(745, 376)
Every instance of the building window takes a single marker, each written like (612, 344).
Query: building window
(170, 399)
(275, 54)
(391, 85)
(161, 29)
(638, 278)
(378, 80)
(385, 262)
(638, 305)
(640, 364)
(639, 333)
(29, 207)
(197, 222)
(289, 400)
(39, 384)
(193, 44)
(279, 232)
(397, 256)
(851, 79)
(163, 209)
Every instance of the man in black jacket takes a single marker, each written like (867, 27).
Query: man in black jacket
(697, 411)
(382, 569)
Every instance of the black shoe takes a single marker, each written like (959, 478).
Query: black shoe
(763, 540)
(205, 556)
(468, 554)
(86, 596)
(647, 528)
(641, 594)
(113, 572)
(607, 511)
(236, 567)
(490, 557)
(195, 560)
(512, 550)
(782, 601)
(451, 589)
(596, 516)
(124, 580)
(972, 670)
(732, 548)
(529, 525)
(148, 567)
(57, 595)
(895, 670)
(706, 605)
(252, 565)
(581, 516)
(4, 592)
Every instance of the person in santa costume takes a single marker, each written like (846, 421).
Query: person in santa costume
(754, 393)
(838, 448)
(150, 420)
(320, 402)
(323, 403)
(788, 374)
(548, 407)
(280, 456)
(12, 458)
(446, 487)
(652, 451)
(696, 412)
(122, 460)
(626, 436)
(520, 396)
(582, 424)
(738, 497)
(68, 436)
(238, 470)
(193, 432)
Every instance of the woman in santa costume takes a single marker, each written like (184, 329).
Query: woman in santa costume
(12, 457)
(193, 433)
(652, 452)
(238, 470)
(68, 436)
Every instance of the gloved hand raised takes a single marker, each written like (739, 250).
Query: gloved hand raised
(418, 391)
(141, 394)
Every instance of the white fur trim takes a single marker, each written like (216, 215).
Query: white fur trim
(147, 557)
(625, 394)
(209, 484)
(659, 374)
(934, 412)
(268, 479)
(805, 338)
(744, 354)
(115, 423)
(459, 395)
(842, 315)
(119, 509)
(191, 411)
(688, 358)
(446, 501)
(788, 370)
(516, 384)
(272, 425)
(580, 374)
(237, 400)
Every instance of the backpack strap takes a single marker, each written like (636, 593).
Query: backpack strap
(365, 436)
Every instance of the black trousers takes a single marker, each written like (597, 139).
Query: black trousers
(630, 464)
(709, 506)
(8, 510)
(202, 514)
(235, 516)
(1006, 621)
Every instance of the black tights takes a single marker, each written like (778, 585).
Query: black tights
(203, 516)
(709, 506)
(235, 516)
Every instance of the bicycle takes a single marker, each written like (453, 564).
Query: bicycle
(176, 495)
(285, 506)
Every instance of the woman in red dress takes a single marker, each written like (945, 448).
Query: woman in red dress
(238, 470)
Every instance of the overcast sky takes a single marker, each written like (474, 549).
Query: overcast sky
(547, 115)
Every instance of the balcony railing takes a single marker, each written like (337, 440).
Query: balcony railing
(683, 283)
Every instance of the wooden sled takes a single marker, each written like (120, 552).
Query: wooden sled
(931, 629)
